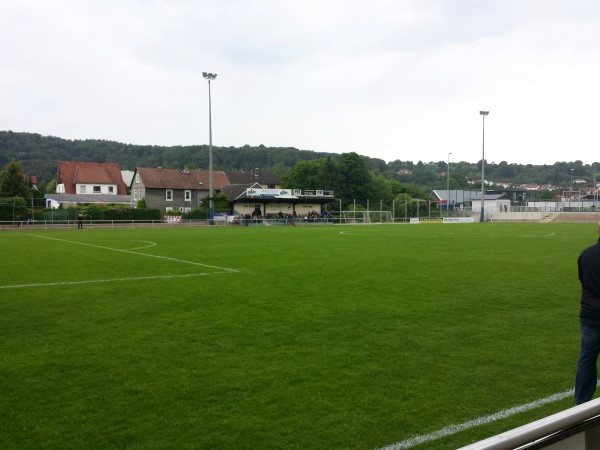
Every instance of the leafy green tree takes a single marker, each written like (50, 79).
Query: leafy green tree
(411, 207)
(306, 175)
(14, 208)
(281, 170)
(220, 200)
(355, 179)
(546, 195)
(329, 175)
(458, 181)
(414, 190)
(383, 189)
(316, 174)
(51, 186)
(13, 182)
(404, 206)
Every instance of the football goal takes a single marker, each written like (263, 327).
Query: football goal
(366, 217)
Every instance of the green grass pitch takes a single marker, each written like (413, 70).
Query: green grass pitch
(332, 337)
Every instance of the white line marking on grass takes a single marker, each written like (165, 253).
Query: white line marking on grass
(453, 429)
(109, 280)
(168, 258)
(150, 244)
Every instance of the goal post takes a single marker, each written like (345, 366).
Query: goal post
(366, 217)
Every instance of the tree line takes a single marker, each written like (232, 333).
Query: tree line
(351, 176)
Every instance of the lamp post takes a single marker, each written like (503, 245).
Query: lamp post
(595, 188)
(482, 216)
(571, 193)
(33, 189)
(448, 186)
(211, 213)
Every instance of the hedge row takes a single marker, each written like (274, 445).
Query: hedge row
(93, 212)
(13, 209)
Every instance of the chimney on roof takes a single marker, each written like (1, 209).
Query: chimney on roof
(256, 172)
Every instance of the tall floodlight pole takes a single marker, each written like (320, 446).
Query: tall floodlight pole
(448, 186)
(482, 216)
(211, 214)
(571, 193)
(595, 188)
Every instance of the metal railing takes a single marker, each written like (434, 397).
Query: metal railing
(73, 224)
(576, 428)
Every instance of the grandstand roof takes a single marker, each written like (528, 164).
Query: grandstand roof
(238, 191)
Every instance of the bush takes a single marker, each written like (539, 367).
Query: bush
(102, 212)
(201, 214)
(95, 212)
(51, 215)
(13, 208)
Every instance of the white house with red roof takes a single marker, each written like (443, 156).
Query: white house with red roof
(88, 182)
(89, 178)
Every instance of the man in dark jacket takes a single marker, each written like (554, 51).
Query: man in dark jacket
(589, 318)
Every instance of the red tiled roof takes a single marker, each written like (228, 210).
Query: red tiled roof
(178, 179)
(72, 173)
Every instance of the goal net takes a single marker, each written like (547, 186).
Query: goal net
(366, 217)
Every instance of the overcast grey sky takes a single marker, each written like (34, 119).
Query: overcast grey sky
(391, 79)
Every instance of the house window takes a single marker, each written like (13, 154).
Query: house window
(97, 189)
(137, 177)
(169, 195)
(188, 196)
(111, 189)
(168, 208)
(82, 189)
(135, 197)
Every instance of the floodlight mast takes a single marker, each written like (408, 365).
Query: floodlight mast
(448, 186)
(211, 214)
(482, 215)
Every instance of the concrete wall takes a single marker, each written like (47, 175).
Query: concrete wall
(515, 216)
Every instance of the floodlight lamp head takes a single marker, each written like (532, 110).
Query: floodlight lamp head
(484, 113)
(209, 76)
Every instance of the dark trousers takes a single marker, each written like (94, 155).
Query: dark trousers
(587, 372)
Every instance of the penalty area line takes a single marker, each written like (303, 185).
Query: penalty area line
(109, 280)
(453, 429)
(168, 258)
